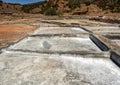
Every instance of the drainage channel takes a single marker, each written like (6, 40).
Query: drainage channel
(115, 58)
(113, 37)
(100, 44)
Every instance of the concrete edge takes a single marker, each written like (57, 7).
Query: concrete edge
(96, 54)
(12, 43)
(60, 35)
(61, 52)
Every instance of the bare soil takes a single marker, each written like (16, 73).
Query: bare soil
(13, 32)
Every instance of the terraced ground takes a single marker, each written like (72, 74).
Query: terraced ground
(63, 52)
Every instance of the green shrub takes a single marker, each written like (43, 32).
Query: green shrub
(50, 11)
(87, 3)
(114, 6)
(74, 4)
(60, 13)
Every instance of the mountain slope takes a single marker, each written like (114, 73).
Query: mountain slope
(59, 7)
(10, 8)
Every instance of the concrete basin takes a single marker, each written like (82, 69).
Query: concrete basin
(56, 45)
(43, 69)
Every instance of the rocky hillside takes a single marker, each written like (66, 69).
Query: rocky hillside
(59, 7)
(10, 8)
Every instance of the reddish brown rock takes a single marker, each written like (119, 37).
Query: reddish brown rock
(94, 9)
(4, 5)
(10, 6)
(83, 9)
(18, 7)
(61, 5)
